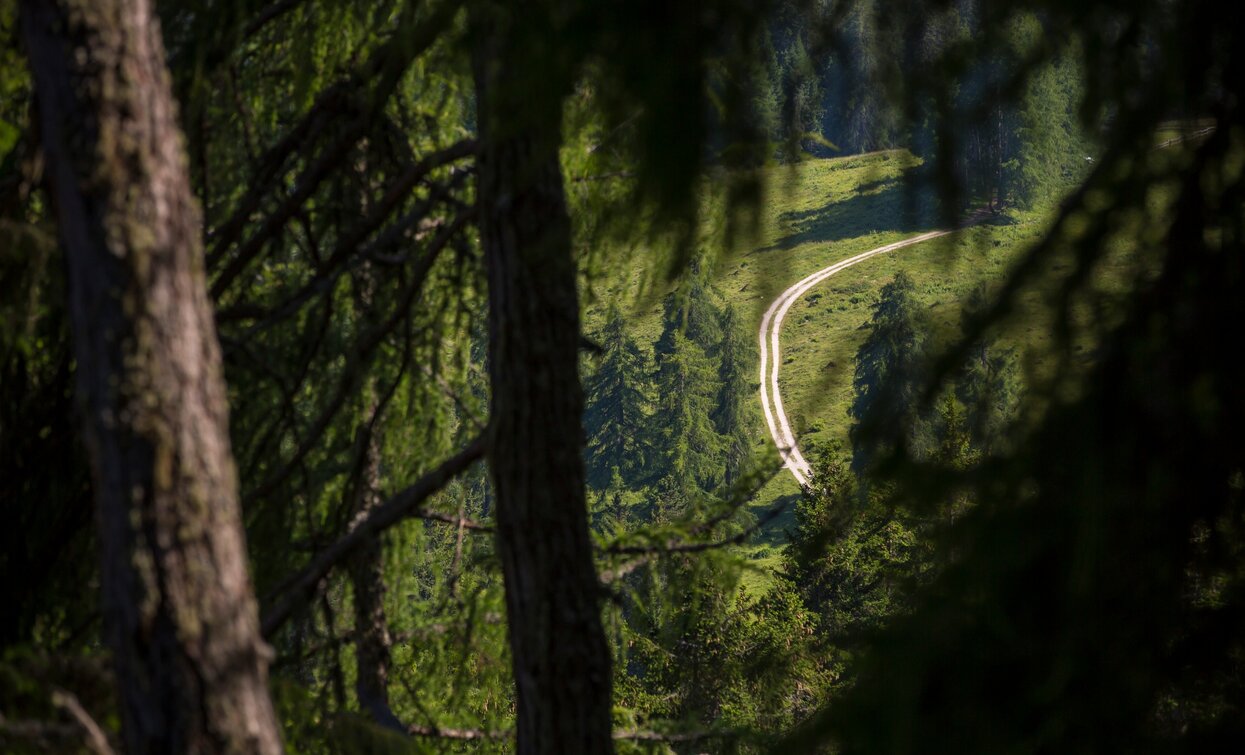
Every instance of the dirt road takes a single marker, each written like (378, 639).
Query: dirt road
(771, 359)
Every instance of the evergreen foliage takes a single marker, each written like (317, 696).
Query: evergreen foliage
(1004, 149)
(848, 557)
(892, 356)
(690, 310)
(1050, 148)
(988, 387)
(616, 414)
(989, 391)
(733, 415)
(688, 445)
(997, 564)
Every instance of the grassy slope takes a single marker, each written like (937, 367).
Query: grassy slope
(823, 211)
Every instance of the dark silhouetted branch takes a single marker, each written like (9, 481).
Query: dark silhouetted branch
(387, 66)
(351, 371)
(298, 589)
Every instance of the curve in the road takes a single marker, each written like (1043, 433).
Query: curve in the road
(771, 326)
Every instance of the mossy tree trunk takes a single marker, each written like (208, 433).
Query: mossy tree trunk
(179, 612)
(559, 655)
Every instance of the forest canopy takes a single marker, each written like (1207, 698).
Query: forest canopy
(588, 376)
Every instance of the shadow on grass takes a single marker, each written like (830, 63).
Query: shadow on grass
(887, 205)
(774, 533)
(999, 218)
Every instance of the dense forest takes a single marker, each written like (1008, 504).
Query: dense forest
(588, 376)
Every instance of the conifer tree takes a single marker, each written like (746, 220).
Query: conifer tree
(730, 417)
(616, 415)
(890, 356)
(848, 558)
(989, 390)
(804, 93)
(1049, 146)
(1017, 150)
(691, 311)
(688, 445)
(955, 448)
(179, 613)
(989, 386)
(823, 510)
(612, 513)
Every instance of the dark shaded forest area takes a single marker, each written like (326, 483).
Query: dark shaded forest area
(383, 376)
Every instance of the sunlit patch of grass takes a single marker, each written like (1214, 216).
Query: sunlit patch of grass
(822, 211)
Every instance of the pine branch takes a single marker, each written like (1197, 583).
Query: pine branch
(387, 65)
(299, 588)
(680, 546)
(351, 372)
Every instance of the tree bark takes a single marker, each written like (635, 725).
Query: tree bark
(179, 612)
(560, 658)
(372, 642)
(366, 569)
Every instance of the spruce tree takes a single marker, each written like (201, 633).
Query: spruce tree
(611, 513)
(730, 417)
(1049, 147)
(824, 510)
(689, 448)
(848, 558)
(988, 387)
(955, 447)
(804, 94)
(616, 416)
(887, 363)
(691, 311)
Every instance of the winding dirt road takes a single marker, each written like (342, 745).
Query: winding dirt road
(771, 326)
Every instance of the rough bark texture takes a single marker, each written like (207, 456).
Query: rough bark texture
(179, 612)
(367, 579)
(559, 654)
(366, 568)
(372, 641)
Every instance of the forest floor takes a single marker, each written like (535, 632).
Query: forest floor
(823, 211)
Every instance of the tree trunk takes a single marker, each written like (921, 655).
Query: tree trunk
(366, 568)
(560, 658)
(367, 579)
(179, 613)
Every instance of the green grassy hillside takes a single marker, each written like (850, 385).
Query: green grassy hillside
(823, 211)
